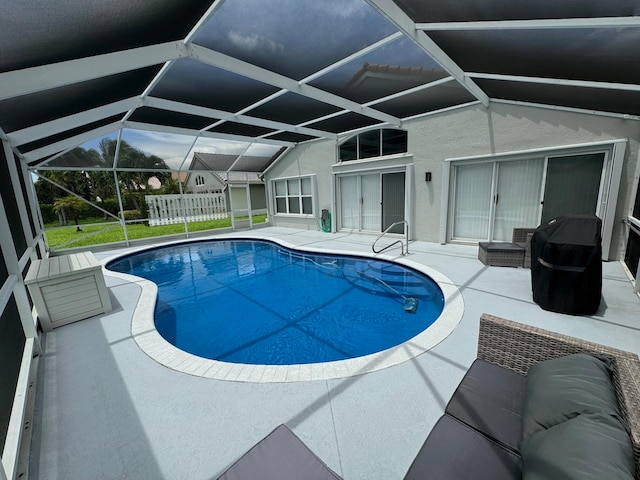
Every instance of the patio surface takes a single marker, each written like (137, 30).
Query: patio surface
(105, 410)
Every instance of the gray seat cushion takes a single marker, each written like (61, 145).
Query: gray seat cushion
(279, 456)
(454, 450)
(586, 447)
(562, 388)
(490, 399)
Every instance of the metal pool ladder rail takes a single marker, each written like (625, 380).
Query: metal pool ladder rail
(404, 246)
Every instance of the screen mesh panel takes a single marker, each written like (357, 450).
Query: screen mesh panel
(280, 35)
(196, 83)
(595, 54)
(11, 206)
(27, 110)
(47, 33)
(390, 69)
(293, 109)
(12, 342)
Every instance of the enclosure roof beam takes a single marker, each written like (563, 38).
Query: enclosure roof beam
(35, 79)
(203, 21)
(538, 24)
(73, 141)
(53, 127)
(190, 132)
(403, 22)
(222, 115)
(557, 81)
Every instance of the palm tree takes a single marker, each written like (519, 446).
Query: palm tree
(142, 167)
(70, 206)
(171, 186)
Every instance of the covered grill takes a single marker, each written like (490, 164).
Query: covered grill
(566, 264)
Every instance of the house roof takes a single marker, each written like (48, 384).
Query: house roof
(218, 162)
(240, 74)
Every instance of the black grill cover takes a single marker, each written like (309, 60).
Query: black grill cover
(566, 264)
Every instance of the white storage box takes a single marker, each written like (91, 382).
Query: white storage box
(67, 288)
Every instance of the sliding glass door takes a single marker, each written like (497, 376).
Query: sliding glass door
(472, 200)
(491, 198)
(517, 198)
(393, 201)
(371, 202)
(572, 185)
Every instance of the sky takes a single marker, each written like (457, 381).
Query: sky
(173, 149)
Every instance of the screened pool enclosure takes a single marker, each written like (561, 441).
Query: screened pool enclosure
(463, 119)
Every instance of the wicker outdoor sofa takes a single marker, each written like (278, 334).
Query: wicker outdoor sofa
(481, 433)
(479, 436)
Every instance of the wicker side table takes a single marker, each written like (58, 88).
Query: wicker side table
(501, 254)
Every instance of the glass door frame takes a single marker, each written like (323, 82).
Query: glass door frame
(607, 197)
(234, 211)
(397, 164)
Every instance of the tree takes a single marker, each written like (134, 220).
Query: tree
(74, 181)
(103, 184)
(70, 206)
(171, 186)
(141, 168)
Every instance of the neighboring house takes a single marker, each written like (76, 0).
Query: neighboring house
(209, 173)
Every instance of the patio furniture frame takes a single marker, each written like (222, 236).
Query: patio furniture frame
(522, 235)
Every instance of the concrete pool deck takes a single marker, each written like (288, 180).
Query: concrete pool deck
(104, 409)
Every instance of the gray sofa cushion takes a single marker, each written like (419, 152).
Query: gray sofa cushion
(454, 450)
(587, 447)
(279, 456)
(490, 399)
(560, 389)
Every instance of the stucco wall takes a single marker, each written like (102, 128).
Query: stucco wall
(311, 158)
(471, 131)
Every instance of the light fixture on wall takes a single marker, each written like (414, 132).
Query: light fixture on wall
(427, 176)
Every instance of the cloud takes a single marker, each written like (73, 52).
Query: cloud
(254, 42)
(174, 148)
(170, 147)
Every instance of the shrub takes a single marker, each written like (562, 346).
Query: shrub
(132, 215)
(110, 205)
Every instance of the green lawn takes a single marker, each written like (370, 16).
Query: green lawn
(62, 235)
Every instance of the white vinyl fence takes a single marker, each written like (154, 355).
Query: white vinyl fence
(167, 209)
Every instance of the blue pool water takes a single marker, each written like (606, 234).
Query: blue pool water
(248, 301)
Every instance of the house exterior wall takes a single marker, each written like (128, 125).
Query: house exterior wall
(211, 183)
(308, 159)
(473, 131)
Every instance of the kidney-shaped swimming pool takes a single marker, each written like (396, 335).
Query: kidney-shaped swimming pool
(256, 302)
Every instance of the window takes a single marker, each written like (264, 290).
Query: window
(294, 196)
(199, 180)
(374, 143)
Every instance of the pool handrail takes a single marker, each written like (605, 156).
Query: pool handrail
(404, 246)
